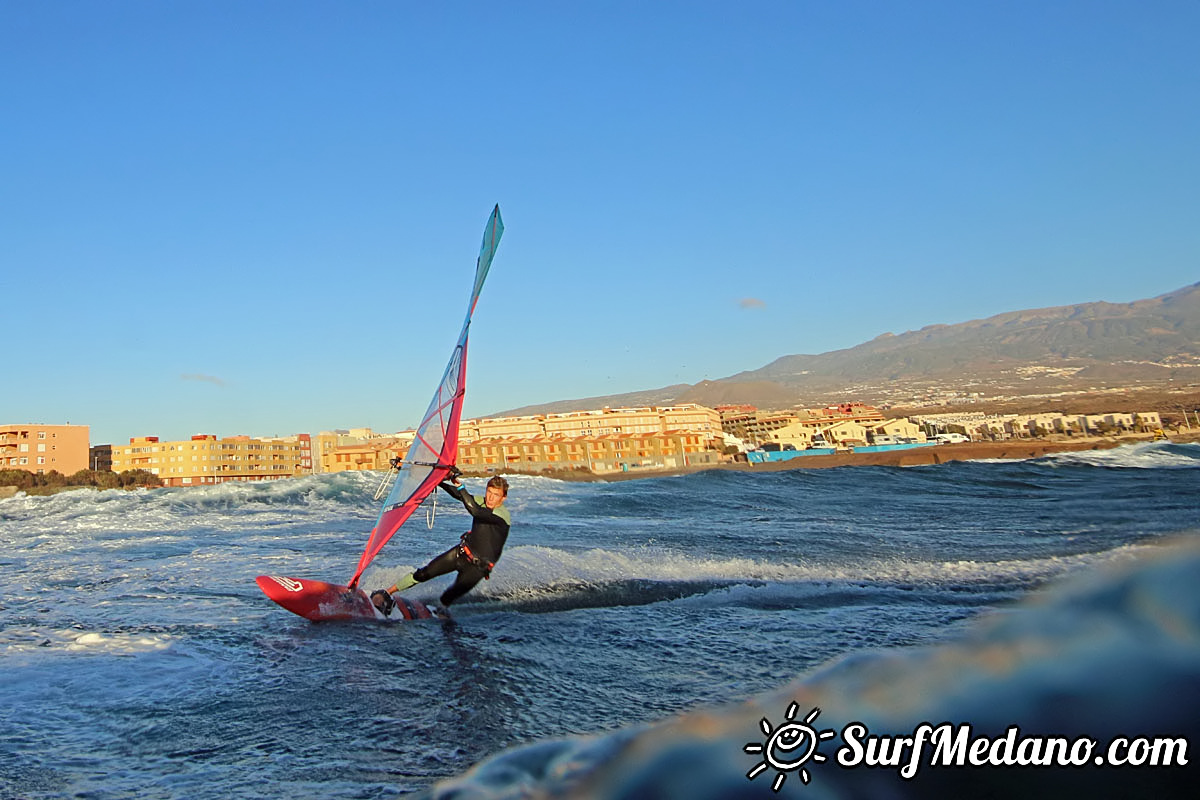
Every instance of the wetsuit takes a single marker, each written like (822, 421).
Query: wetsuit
(478, 551)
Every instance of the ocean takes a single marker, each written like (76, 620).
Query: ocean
(139, 659)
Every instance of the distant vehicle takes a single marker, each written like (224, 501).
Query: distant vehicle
(950, 438)
(776, 447)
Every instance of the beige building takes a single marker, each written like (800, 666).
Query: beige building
(995, 428)
(797, 434)
(755, 426)
(357, 448)
(605, 422)
(501, 427)
(689, 417)
(846, 433)
(41, 448)
(898, 428)
(373, 454)
(604, 440)
(600, 454)
(1118, 421)
(1148, 420)
(205, 459)
(1023, 426)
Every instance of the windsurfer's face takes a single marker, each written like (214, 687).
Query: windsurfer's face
(493, 497)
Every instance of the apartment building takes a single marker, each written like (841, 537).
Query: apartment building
(601, 440)
(757, 426)
(358, 449)
(898, 429)
(692, 417)
(39, 448)
(845, 432)
(205, 459)
(795, 426)
(1020, 426)
(797, 434)
(373, 454)
(630, 421)
(100, 457)
(599, 454)
(470, 430)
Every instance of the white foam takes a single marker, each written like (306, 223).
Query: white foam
(530, 569)
(1146, 455)
(119, 643)
(91, 642)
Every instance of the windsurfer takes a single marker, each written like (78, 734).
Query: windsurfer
(474, 556)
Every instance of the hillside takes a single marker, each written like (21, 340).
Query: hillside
(1098, 347)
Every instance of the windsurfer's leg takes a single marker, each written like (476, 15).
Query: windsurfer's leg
(438, 566)
(407, 582)
(445, 563)
(465, 582)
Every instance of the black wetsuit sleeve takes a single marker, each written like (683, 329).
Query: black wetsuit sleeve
(454, 491)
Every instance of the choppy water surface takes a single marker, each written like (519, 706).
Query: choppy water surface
(137, 657)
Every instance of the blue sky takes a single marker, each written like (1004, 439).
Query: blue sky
(262, 218)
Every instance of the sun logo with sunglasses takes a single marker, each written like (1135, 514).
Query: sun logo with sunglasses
(788, 747)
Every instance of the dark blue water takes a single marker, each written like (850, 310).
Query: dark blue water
(138, 659)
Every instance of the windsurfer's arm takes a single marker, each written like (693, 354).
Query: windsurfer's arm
(460, 493)
(454, 490)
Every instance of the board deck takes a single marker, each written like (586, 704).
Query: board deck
(319, 601)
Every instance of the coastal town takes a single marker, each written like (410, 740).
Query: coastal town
(596, 442)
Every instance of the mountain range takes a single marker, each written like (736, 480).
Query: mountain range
(1100, 346)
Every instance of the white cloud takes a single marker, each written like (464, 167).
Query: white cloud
(215, 381)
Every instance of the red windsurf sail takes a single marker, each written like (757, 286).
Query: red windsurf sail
(435, 447)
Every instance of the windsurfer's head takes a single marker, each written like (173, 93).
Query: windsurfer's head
(497, 490)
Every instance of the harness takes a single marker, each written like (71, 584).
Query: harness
(482, 564)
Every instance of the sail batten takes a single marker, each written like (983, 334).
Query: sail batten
(435, 445)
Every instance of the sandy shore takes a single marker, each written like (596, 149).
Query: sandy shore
(937, 454)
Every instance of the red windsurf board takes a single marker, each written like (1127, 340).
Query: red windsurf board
(320, 601)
